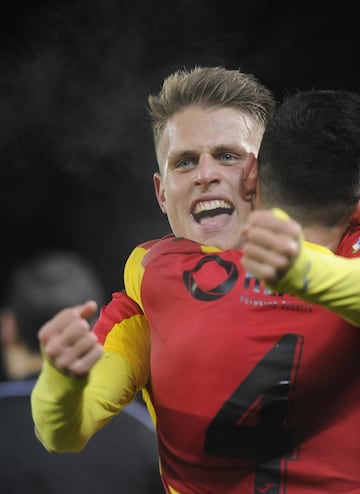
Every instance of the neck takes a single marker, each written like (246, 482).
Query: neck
(328, 237)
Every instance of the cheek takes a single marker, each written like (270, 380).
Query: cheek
(233, 178)
(174, 189)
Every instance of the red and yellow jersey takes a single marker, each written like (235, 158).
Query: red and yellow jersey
(253, 391)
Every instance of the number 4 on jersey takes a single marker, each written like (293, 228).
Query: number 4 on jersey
(254, 422)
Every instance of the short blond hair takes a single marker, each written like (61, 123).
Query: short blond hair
(209, 87)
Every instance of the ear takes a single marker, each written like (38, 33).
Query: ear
(355, 217)
(249, 178)
(160, 191)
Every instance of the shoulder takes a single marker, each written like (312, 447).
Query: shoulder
(148, 244)
(175, 246)
(349, 245)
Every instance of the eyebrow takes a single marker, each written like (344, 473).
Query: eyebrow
(224, 148)
(181, 155)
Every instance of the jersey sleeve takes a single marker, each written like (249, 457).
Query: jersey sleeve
(67, 412)
(320, 277)
(122, 329)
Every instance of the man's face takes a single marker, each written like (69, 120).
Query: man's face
(201, 156)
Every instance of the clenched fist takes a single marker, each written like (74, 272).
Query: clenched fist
(69, 343)
(271, 244)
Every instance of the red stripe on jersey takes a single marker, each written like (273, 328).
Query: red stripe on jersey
(119, 308)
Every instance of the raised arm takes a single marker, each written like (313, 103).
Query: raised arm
(82, 384)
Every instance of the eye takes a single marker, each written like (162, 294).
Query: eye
(228, 157)
(232, 158)
(184, 163)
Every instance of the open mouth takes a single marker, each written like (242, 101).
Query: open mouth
(210, 209)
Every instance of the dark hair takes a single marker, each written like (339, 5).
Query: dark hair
(46, 284)
(309, 158)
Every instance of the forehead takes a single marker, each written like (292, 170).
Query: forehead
(201, 130)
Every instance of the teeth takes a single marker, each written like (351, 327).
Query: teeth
(209, 205)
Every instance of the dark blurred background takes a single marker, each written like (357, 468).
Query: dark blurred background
(75, 143)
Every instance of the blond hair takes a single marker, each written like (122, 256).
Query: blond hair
(209, 87)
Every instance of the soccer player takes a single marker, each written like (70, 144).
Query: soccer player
(231, 380)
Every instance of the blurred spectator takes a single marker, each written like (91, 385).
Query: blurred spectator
(38, 289)
(2, 370)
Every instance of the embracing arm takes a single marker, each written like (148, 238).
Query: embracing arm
(275, 252)
(327, 280)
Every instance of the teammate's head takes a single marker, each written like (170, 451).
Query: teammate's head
(309, 158)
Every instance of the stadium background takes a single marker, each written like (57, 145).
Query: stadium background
(75, 144)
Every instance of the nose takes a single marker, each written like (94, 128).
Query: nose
(207, 170)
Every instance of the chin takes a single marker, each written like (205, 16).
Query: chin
(218, 242)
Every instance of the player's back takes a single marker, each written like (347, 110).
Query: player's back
(254, 391)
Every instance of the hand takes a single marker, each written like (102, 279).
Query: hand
(68, 341)
(271, 244)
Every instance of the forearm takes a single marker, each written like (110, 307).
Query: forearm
(67, 412)
(327, 280)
